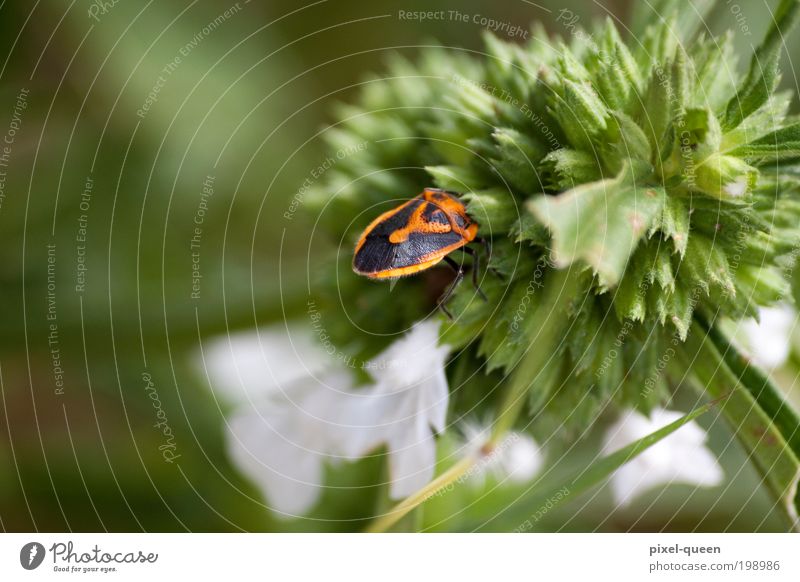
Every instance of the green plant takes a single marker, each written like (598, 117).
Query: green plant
(635, 193)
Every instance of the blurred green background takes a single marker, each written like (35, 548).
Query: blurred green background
(122, 114)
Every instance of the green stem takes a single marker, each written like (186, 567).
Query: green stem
(753, 427)
(413, 501)
(545, 324)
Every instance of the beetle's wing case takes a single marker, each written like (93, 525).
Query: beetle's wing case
(413, 237)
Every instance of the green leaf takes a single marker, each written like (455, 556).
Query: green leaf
(527, 228)
(628, 146)
(455, 178)
(700, 132)
(767, 395)
(724, 177)
(715, 65)
(600, 223)
(645, 386)
(494, 210)
(565, 168)
(762, 77)
(684, 20)
(614, 70)
(678, 308)
(517, 157)
(695, 138)
(656, 111)
(681, 80)
(476, 102)
(609, 369)
(600, 471)
(673, 222)
(570, 67)
(658, 41)
(754, 428)
(629, 298)
(662, 270)
(544, 330)
(606, 466)
(708, 265)
(581, 113)
(767, 119)
(763, 285)
(509, 262)
(778, 145)
(753, 95)
(623, 59)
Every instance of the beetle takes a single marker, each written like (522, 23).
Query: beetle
(418, 235)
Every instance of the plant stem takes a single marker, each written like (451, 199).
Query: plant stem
(395, 514)
(546, 323)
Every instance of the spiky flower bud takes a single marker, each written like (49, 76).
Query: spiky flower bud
(642, 166)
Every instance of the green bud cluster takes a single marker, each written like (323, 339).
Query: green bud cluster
(669, 181)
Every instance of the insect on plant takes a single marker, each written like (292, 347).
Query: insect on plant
(418, 235)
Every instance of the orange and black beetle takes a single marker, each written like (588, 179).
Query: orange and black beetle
(416, 236)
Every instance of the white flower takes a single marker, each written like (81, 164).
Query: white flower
(285, 414)
(516, 459)
(679, 458)
(521, 459)
(405, 408)
(250, 364)
(768, 339)
(282, 441)
(282, 434)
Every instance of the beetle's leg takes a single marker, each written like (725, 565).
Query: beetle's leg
(486, 244)
(447, 294)
(445, 311)
(455, 266)
(487, 248)
(476, 267)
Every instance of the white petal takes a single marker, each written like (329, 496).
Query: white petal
(679, 458)
(412, 462)
(523, 459)
(288, 475)
(768, 339)
(283, 438)
(437, 398)
(243, 366)
(406, 405)
(630, 481)
(366, 422)
(699, 467)
(413, 358)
